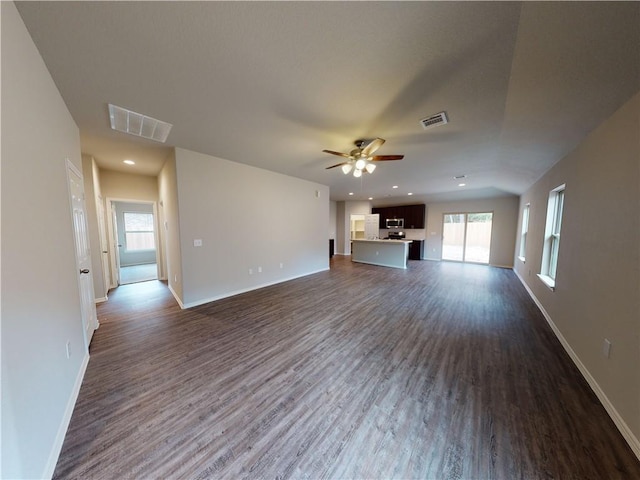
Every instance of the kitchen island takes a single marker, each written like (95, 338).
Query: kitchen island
(386, 253)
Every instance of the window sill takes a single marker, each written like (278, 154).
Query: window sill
(548, 281)
(521, 259)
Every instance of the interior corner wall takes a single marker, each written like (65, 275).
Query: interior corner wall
(597, 294)
(503, 229)
(257, 227)
(344, 212)
(90, 195)
(170, 226)
(332, 219)
(40, 295)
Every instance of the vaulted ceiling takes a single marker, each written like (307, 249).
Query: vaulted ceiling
(272, 84)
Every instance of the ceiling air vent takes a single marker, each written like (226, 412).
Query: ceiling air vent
(133, 123)
(434, 120)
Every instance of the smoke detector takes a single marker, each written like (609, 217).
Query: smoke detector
(128, 121)
(434, 120)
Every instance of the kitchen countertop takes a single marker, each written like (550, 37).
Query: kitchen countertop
(382, 240)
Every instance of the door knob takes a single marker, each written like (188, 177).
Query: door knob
(84, 270)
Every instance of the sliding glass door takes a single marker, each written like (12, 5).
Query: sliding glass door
(466, 237)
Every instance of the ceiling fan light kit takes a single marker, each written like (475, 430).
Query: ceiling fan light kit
(361, 158)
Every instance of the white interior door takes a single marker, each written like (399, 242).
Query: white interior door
(116, 245)
(104, 255)
(83, 252)
(372, 226)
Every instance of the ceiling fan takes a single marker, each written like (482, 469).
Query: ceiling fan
(360, 158)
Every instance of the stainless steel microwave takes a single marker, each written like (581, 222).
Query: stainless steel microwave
(395, 222)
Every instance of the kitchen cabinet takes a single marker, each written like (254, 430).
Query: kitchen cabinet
(413, 215)
(381, 217)
(416, 250)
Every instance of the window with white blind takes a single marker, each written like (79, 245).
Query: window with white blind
(549, 266)
(138, 231)
(523, 232)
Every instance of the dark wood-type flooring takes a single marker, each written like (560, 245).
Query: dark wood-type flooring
(442, 371)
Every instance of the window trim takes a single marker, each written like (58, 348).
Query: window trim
(551, 248)
(526, 211)
(152, 232)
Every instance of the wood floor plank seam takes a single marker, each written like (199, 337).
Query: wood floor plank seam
(442, 371)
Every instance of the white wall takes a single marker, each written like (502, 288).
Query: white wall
(332, 219)
(597, 293)
(503, 232)
(247, 218)
(40, 297)
(128, 186)
(344, 210)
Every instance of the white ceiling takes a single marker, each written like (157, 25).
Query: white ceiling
(272, 84)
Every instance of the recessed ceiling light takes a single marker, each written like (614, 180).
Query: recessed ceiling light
(129, 162)
(462, 184)
(137, 124)
(350, 193)
(370, 198)
(409, 193)
(395, 186)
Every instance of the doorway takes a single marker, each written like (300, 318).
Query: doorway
(135, 241)
(466, 237)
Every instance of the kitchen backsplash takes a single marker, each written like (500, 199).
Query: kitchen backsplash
(410, 233)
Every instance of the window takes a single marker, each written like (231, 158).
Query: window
(466, 237)
(138, 231)
(523, 234)
(551, 248)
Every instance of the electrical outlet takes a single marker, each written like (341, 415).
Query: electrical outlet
(68, 346)
(197, 242)
(259, 269)
(281, 265)
(606, 348)
(175, 278)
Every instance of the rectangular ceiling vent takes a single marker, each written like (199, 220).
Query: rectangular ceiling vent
(434, 120)
(133, 123)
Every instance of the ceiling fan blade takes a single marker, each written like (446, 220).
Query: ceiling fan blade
(373, 146)
(336, 165)
(383, 158)
(340, 154)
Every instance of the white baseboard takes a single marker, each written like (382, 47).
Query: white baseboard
(624, 429)
(245, 290)
(497, 265)
(175, 295)
(66, 419)
(101, 300)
